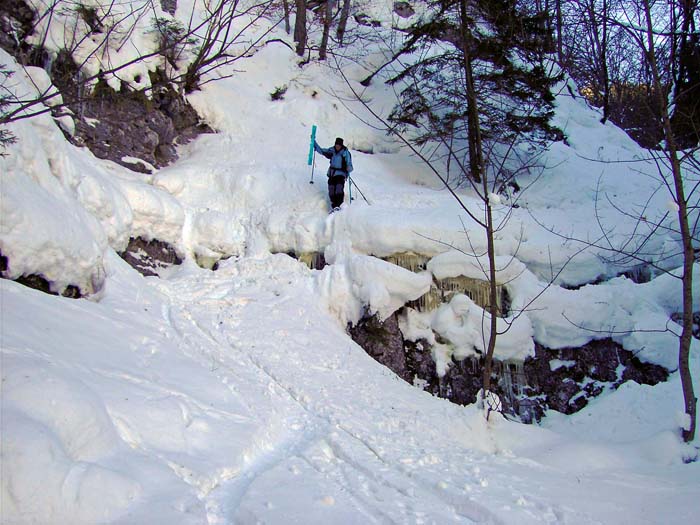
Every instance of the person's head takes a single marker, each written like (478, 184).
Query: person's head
(338, 144)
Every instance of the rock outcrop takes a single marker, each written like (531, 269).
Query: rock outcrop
(150, 257)
(131, 128)
(383, 341)
(39, 282)
(562, 380)
(137, 129)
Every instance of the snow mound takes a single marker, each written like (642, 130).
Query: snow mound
(354, 285)
(62, 208)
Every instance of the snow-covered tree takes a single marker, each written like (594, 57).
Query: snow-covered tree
(472, 93)
(502, 46)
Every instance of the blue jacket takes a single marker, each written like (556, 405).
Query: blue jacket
(336, 158)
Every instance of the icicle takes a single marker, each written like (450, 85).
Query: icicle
(408, 260)
(442, 291)
(48, 62)
(512, 380)
(204, 261)
(517, 375)
(314, 260)
(476, 289)
(429, 301)
(639, 274)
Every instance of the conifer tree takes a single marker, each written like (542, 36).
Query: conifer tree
(504, 47)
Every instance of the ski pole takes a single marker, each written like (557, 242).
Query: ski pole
(358, 189)
(313, 165)
(350, 189)
(312, 153)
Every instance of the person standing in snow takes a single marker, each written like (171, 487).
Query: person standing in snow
(339, 169)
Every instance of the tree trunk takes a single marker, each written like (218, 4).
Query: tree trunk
(343, 22)
(493, 291)
(326, 29)
(685, 119)
(473, 128)
(476, 163)
(598, 35)
(685, 339)
(604, 64)
(560, 24)
(300, 27)
(285, 5)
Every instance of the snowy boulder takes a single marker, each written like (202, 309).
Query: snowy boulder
(215, 235)
(44, 229)
(156, 213)
(43, 87)
(353, 284)
(454, 263)
(465, 326)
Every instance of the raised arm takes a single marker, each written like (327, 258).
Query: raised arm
(326, 152)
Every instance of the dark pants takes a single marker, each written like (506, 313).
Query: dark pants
(336, 190)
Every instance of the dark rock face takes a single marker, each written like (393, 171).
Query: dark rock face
(16, 21)
(169, 6)
(149, 257)
(384, 342)
(460, 384)
(562, 380)
(413, 361)
(404, 9)
(419, 361)
(39, 282)
(128, 124)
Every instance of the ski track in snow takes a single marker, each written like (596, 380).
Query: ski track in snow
(345, 445)
(243, 327)
(249, 393)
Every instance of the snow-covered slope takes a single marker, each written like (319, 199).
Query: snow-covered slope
(236, 396)
(233, 397)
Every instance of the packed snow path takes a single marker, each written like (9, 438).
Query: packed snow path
(311, 450)
(232, 397)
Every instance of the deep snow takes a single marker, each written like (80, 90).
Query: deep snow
(236, 396)
(233, 397)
